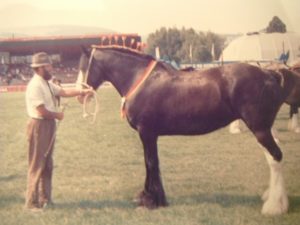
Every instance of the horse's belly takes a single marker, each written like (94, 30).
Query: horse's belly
(193, 126)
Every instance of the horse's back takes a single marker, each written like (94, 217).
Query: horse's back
(199, 102)
(255, 94)
(183, 103)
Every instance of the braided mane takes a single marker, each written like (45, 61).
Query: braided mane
(124, 49)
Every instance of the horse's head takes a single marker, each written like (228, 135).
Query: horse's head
(119, 65)
(85, 78)
(89, 70)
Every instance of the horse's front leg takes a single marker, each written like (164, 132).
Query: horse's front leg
(153, 195)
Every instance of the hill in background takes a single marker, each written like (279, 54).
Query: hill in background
(53, 30)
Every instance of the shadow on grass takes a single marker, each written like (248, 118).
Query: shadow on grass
(225, 200)
(294, 204)
(7, 201)
(231, 200)
(9, 178)
(88, 204)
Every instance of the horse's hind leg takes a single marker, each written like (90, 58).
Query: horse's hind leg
(276, 201)
(153, 194)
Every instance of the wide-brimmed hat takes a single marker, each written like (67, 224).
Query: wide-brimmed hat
(40, 59)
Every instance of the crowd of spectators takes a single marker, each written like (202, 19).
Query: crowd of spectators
(20, 74)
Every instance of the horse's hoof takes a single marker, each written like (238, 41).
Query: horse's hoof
(273, 208)
(149, 201)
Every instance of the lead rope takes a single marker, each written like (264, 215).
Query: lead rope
(85, 113)
(53, 136)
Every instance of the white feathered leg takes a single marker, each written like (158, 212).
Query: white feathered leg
(276, 200)
(265, 195)
(295, 124)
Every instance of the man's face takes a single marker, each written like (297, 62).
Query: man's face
(45, 72)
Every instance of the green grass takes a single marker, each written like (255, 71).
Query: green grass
(213, 179)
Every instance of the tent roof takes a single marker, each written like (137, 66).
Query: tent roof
(263, 46)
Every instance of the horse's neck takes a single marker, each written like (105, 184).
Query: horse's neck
(124, 75)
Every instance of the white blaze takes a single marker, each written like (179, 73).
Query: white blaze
(79, 80)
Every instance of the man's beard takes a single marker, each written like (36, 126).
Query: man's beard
(47, 76)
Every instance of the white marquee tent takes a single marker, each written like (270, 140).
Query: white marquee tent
(263, 47)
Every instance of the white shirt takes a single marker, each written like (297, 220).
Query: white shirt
(38, 93)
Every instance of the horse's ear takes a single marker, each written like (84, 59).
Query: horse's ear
(85, 51)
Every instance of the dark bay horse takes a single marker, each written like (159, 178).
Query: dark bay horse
(165, 101)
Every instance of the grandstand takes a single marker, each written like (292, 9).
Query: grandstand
(16, 53)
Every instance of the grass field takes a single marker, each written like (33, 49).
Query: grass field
(213, 179)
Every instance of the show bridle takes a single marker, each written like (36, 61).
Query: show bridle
(83, 84)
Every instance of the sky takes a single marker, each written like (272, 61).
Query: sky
(146, 16)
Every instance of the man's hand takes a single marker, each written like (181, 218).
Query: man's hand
(60, 116)
(85, 92)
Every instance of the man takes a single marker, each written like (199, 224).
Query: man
(41, 108)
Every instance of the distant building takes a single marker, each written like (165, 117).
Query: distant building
(65, 51)
(61, 48)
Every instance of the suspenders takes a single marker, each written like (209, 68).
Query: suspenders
(52, 94)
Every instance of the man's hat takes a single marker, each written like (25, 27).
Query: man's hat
(40, 59)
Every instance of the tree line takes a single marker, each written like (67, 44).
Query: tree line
(185, 45)
(189, 46)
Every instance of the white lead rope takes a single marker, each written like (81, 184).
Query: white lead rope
(85, 114)
(94, 113)
(81, 83)
(54, 134)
